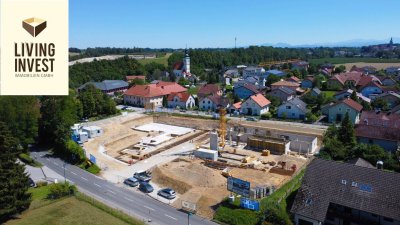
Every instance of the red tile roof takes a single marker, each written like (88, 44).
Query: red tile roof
(129, 78)
(382, 119)
(178, 66)
(285, 83)
(237, 105)
(183, 96)
(260, 100)
(208, 89)
(293, 78)
(152, 90)
(343, 77)
(377, 132)
(353, 104)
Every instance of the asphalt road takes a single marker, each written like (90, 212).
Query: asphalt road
(138, 205)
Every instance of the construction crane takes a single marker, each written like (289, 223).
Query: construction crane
(222, 127)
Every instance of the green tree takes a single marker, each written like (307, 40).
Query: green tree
(272, 78)
(14, 182)
(21, 114)
(380, 104)
(353, 96)
(58, 115)
(95, 102)
(164, 101)
(346, 133)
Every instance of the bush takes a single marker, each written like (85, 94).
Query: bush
(25, 158)
(236, 216)
(41, 183)
(61, 189)
(266, 116)
(76, 152)
(90, 167)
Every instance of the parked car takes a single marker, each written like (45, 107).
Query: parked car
(131, 181)
(146, 187)
(31, 183)
(142, 176)
(168, 193)
(251, 119)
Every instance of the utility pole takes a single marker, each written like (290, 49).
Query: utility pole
(189, 214)
(65, 179)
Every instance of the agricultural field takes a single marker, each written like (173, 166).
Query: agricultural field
(379, 66)
(161, 60)
(353, 60)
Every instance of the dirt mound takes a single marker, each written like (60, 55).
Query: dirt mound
(159, 177)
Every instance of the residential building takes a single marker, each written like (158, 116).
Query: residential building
(396, 110)
(283, 83)
(300, 65)
(343, 80)
(209, 89)
(392, 98)
(293, 109)
(140, 95)
(335, 112)
(337, 193)
(183, 100)
(278, 73)
(108, 86)
(315, 91)
(255, 105)
(235, 108)
(387, 81)
(347, 93)
(232, 73)
(213, 102)
(308, 82)
(253, 71)
(283, 93)
(371, 89)
(246, 90)
(293, 79)
(393, 70)
(379, 128)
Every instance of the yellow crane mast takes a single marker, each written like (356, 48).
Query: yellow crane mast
(222, 126)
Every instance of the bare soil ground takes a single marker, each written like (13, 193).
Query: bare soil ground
(206, 187)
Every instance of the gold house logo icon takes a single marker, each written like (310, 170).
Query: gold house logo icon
(34, 26)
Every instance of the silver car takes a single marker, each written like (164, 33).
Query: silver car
(168, 193)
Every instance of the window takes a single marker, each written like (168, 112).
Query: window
(293, 114)
(304, 222)
(340, 109)
(354, 184)
(344, 182)
(208, 102)
(288, 107)
(370, 141)
(204, 102)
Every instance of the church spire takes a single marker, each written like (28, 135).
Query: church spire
(391, 41)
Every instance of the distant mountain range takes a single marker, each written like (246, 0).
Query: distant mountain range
(349, 43)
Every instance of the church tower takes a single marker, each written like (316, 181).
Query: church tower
(186, 62)
(391, 42)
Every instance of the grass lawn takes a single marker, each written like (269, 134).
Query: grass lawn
(352, 60)
(329, 94)
(161, 60)
(68, 211)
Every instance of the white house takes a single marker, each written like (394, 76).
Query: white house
(255, 105)
(253, 71)
(212, 103)
(182, 100)
(293, 109)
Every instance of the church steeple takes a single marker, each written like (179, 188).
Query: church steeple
(391, 42)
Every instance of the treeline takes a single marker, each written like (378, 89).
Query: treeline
(95, 52)
(113, 70)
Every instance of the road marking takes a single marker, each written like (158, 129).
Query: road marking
(112, 192)
(84, 178)
(149, 208)
(97, 185)
(73, 173)
(47, 159)
(129, 199)
(171, 217)
(55, 163)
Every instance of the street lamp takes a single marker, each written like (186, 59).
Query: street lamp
(189, 214)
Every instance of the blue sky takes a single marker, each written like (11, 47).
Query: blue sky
(216, 23)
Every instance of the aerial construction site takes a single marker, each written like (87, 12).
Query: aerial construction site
(195, 156)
